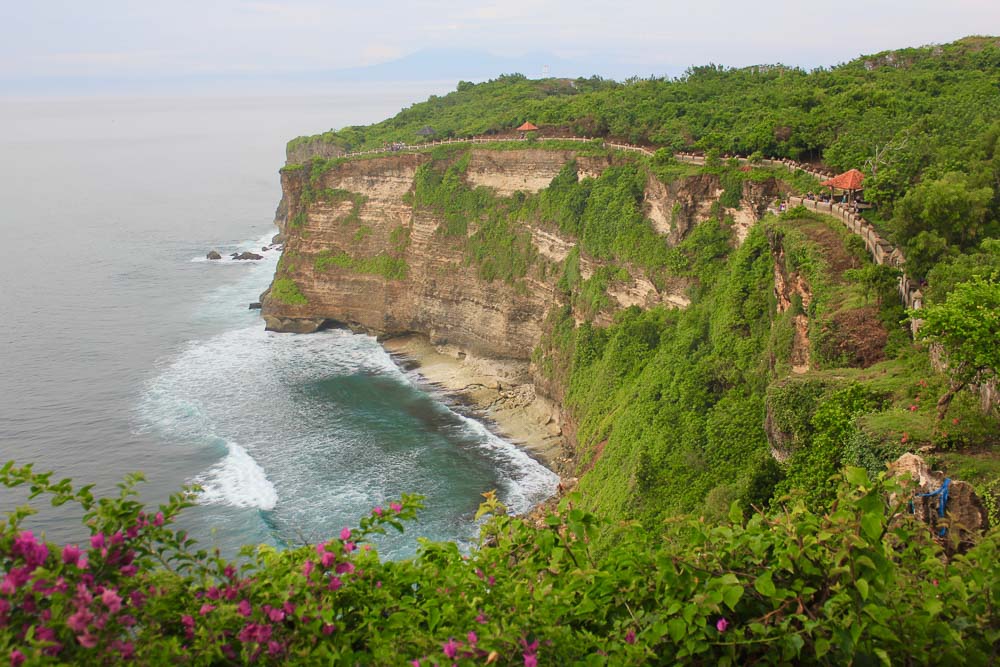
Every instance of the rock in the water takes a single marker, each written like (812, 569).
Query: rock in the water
(249, 255)
(965, 512)
(263, 248)
(213, 254)
(255, 305)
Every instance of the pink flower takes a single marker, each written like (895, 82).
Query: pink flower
(276, 615)
(97, 541)
(377, 511)
(630, 636)
(530, 660)
(396, 507)
(274, 648)
(206, 609)
(71, 554)
(349, 547)
(158, 519)
(415, 663)
(112, 601)
(450, 647)
(472, 638)
(328, 559)
(328, 628)
(87, 640)
(345, 568)
(188, 622)
(721, 625)
(128, 570)
(243, 608)
(345, 534)
(378, 584)
(28, 547)
(79, 621)
(16, 658)
(492, 580)
(481, 619)
(335, 583)
(126, 649)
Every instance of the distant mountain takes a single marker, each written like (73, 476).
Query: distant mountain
(459, 64)
(427, 65)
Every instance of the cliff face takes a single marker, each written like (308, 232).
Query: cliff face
(357, 252)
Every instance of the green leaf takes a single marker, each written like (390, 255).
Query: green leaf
(933, 606)
(871, 526)
(856, 476)
(764, 585)
(731, 595)
(677, 628)
(862, 586)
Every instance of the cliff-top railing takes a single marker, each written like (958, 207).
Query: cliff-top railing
(881, 251)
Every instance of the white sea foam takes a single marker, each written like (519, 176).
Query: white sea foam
(526, 481)
(276, 422)
(239, 481)
(261, 246)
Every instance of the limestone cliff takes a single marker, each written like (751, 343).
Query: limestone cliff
(359, 253)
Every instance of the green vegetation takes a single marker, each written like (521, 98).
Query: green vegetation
(921, 122)
(864, 584)
(967, 326)
(383, 264)
(687, 542)
(284, 290)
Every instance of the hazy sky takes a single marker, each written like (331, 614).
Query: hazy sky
(60, 41)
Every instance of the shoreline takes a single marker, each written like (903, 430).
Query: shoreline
(498, 392)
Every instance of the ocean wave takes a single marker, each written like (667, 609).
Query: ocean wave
(237, 480)
(261, 246)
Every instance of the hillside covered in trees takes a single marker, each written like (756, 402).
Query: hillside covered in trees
(733, 505)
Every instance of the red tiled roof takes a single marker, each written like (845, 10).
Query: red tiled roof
(849, 180)
(526, 127)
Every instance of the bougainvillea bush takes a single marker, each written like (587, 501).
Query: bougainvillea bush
(861, 583)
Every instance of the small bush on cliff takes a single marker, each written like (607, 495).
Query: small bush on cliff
(390, 268)
(862, 584)
(284, 290)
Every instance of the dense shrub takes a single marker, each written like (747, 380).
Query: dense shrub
(860, 584)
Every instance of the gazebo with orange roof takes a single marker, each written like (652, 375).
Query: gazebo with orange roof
(850, 181)
(527, 127)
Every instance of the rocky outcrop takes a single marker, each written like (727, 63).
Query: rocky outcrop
(213, 254)
(305, 149)
(358, 253)
(964, 512)
(677, 207)
(792, 291)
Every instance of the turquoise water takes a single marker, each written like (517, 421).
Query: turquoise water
(125, 350)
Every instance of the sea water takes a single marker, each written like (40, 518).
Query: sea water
(124, 349)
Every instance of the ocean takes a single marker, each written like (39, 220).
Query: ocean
(124, 349)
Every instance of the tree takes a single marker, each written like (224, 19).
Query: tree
(878, 280)
(967, 326)
(950, 206)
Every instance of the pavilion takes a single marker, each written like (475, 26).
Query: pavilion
(850, 181)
